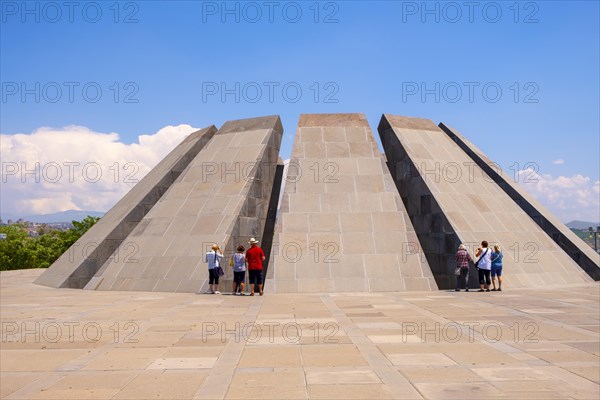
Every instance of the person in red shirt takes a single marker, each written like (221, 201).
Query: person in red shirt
(255, 257)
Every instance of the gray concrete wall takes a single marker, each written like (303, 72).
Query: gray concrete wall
(342, 226)
(81, 262)
(222, 197)
(451, 200)
(576, 248)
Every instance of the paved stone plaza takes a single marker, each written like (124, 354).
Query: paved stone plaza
(518, 344)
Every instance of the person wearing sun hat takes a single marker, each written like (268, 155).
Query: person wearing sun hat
(213, 258)
(255, 257)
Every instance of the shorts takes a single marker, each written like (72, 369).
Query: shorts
(239, 276)
(255, 276)
(213, 277)
(496, 271)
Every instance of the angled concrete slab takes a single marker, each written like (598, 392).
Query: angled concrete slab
(342, 225)
(451, 200)
(572, 244)
(221, 197)
(76, 267)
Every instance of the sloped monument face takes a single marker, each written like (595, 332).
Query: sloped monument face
(572, 244)
(83, 260)
(342, 225)
(451, 200)
(221, 197)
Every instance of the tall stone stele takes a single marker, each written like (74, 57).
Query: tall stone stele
(452, 200)
(82, 261)
(220, 196)
(342, 225)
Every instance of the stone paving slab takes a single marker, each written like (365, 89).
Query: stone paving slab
(73, 344)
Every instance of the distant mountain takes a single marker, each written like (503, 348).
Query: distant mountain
(63, 216)
(582, 225)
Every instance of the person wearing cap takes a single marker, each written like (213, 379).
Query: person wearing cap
(255, 257)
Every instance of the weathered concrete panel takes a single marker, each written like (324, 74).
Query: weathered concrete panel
(222, 197)
(82, 261)
(342, 226)
(576, 248)
(451, 200)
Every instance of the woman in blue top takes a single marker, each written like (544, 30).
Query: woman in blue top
(497, 268)
(239, 270)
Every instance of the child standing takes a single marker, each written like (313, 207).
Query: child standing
(239, 270)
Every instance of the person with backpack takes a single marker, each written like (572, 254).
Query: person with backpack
(213, 258)
(484, 266)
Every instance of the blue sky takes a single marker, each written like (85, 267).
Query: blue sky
(165, 63)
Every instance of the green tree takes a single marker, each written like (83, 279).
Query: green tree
(19, 251)
(82, 227)
(13, 249)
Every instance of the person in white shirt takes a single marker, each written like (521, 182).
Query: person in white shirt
(484, 265)
(213, 258)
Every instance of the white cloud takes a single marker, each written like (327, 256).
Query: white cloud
(569, 198)
(560, 161)
(74, 168)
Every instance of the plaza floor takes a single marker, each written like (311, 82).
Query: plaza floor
(75, 344)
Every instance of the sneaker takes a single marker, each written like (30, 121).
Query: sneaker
(217, 292)
(487, 290)
(481, 290)
(493, 290)
(499, 289)
(467, 289)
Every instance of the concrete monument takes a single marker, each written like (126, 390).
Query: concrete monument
(451, 200)
(342, 225)
(350, 220)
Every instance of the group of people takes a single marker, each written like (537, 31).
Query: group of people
(252, 260)
(488, 264)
